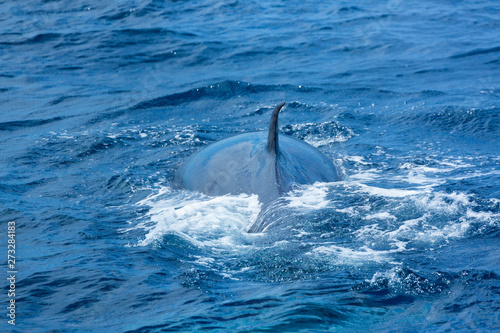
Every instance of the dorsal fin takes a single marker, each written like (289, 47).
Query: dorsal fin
(272, 137)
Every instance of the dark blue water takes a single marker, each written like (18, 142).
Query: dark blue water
(101, 101)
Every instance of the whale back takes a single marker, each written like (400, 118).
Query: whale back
(301, 163)
(240, 164)
(262, 163)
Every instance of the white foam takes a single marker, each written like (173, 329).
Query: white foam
(390, 192)
(357, 159)
(391, 276)
(452, 209)
(477, 174)
(381, 216)
(309, 197)
(204, 261)
(423, 169)
(354, 210)
(324, 138)
(219, 223)
(444, 202)
(366, 175)
(491, 218)
(495, 201)
(343, 255)
(439, 236)
(395, 240)
(419, 175)
(314, 141)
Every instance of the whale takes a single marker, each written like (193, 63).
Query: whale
(266, 163)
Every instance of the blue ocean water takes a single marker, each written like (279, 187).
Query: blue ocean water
(100, 102)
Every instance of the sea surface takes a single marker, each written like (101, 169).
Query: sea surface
(101, 101)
